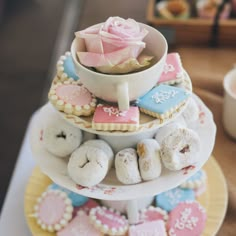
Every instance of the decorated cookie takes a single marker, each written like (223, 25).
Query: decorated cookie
(188, 218)
(53, 210)
(173, 71)
(86, 207)
(152, 214)
(59, 137)
(76, 199)
(153, 228)
(108, 221)
(80, 225)
(196, 181)
(126, 165)
(72, 99)
(110, 118)
(162, 101)
(180, 149)
(66, 68)
(149, 159)
(88, 165)
(170, 199)
(191, 113)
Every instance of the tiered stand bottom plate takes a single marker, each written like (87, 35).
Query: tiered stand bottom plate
(214, 200)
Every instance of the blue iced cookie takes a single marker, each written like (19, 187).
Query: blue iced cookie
(77, 199)
(195, 181)
(66, 68)
(162, 101)
(170, 199)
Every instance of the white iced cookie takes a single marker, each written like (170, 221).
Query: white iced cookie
(126, 164)
(149, 159)
(180, 149)
(100, 144)
(191, 112)
(59, 137)
(168, 129)
(88, 165)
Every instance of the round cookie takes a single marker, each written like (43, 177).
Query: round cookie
(59, 137)
(66, 68)
(88, 165)
(126, 165)
(149, 159)
(152, 214)
(76, 199)
(170, 199)
(188, 218)
(53, 210)
(108, 221)
(72, 99)
(180, 149)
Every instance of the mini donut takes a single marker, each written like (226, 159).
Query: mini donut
(126, 164)
(149, 159)
(88, 165)
(59, 137)
(53, 210)
(180, 149)
(191, 113)
(100, 144)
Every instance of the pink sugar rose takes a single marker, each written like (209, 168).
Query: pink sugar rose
(114, 46)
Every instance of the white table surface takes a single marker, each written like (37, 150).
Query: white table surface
(12, 220)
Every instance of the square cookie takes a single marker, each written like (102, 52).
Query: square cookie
(110, 118)
(173, 71)
(162, 101)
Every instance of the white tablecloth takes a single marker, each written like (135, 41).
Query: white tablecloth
(12, 220)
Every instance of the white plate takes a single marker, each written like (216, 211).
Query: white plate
(110, 188)
(146, 122)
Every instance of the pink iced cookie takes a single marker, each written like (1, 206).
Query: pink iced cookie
(188, 218)
(80, 225)
(53, 210)
(173, 70)
(152, 214)
(154, 228)
(110, 118)
(86, 207)
(72, 99)
(108, 221)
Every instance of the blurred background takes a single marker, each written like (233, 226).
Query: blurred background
(34, 33)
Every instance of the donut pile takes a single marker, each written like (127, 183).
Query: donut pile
(174, 146)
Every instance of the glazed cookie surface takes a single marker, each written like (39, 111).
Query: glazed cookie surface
(66, 68)
(53, 210)
(180, 149)
(126, 165)
(162, 101)
(72, 99)
(152, 214)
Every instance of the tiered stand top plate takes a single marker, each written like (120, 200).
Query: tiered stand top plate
(110, 188)
(214, 200)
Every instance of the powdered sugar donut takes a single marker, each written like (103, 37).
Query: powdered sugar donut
(108, 221)
(88, 165)
(180, 149)
(53, 210)
(188, 218)
(59, 137)
(126, 164)
(105, 147)
(191, 113)
(149, 159)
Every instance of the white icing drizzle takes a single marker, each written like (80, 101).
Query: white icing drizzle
(168, 68)
(163, 96)
(186, 221)
(114, 111)
(172, 232)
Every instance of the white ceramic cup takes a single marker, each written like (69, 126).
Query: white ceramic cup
(126, 87)
(229, 105)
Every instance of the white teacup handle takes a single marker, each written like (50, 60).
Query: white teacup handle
(122, 91)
